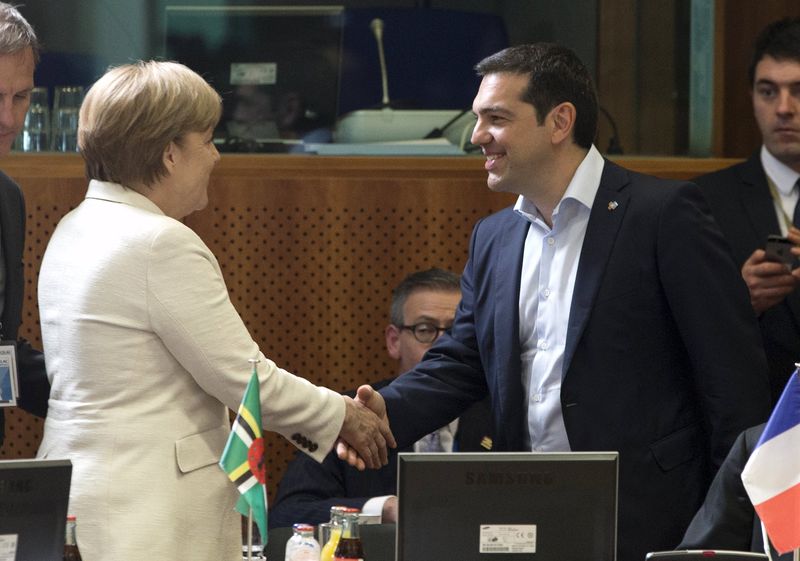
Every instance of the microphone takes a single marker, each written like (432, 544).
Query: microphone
(377, 30)
(438, 132)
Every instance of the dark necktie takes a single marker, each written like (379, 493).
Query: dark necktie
(796, 217)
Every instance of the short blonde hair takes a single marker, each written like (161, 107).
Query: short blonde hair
(16, 34)
(132, 113)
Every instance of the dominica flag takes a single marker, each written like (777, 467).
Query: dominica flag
(243, 458)
(771, 476)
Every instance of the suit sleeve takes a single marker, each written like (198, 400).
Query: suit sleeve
(709, 301)
(447, 381)
(190, 310)
(309, 489)
(34, 388)
(34, 385)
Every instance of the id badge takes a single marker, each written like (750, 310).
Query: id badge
(9, 382)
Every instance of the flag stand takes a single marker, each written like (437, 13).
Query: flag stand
(250, 535)
(797, 554)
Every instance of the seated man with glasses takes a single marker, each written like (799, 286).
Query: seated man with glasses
(423, 307)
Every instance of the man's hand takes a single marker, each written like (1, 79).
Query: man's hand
(365, 432)
(769, 282)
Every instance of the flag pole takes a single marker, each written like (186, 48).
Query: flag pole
(254, 362)
(250, 535)
(797, 554)
(765, 539)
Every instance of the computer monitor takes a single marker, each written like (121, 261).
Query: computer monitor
(276, 68)
(507, 505)
(34, 497)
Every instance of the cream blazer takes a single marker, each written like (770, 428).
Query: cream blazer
(146, 354)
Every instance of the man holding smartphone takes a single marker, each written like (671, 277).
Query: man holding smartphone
(757, 199)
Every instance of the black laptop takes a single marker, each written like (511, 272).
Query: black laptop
(34, 497)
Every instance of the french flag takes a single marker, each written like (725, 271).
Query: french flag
(772, 474)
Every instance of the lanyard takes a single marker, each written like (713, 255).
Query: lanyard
(773, 191)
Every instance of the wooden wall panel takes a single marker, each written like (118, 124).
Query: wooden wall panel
(310, 249)
(616, 72)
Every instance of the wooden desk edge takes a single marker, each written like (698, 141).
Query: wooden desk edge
(70, 166)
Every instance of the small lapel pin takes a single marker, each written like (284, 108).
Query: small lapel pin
(613, 205)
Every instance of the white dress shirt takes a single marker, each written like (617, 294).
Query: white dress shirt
(785, 179)
(549, 268)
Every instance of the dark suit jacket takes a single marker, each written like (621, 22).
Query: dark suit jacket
(663, 360)
(742, 206)
(308, 489)
(727, 519)
(34, 386)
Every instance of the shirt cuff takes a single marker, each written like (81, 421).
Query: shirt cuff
(374, 506)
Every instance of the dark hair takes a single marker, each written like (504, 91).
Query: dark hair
(556, 75)
(16, 33)
(779, 40)
(432, 279)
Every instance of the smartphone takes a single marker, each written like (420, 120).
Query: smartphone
(779, 249)
(704, 555)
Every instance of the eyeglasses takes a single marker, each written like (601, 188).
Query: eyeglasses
(425, 332)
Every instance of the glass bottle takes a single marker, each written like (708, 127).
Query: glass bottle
(302, 546)
(349, 547)
(337, 514)
(71, 552)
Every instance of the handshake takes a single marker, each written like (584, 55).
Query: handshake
(365, 436)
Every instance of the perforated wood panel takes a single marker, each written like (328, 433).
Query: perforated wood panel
(310, 249)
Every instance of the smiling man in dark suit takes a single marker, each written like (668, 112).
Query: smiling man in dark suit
(602, 312)
(19, 52)
(759, 197)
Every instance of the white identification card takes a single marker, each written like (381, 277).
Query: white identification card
(508, 538)
(9, 383)
(8, 547)
(254, 73)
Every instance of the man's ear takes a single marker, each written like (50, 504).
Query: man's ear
(392, 333)
(563, 118)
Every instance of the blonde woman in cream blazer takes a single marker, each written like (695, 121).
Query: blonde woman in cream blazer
(145, 351)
